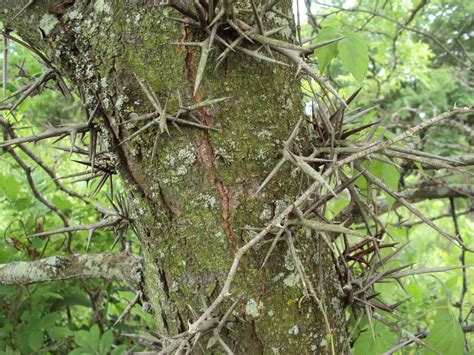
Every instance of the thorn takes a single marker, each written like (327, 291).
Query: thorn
(28, 4)
(73, 140)
(260, 56)
(129, 307)
(202, 64)
(205, 103)
(89, 238)
(5, 65)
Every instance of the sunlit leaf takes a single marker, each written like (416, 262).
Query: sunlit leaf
(446, 335)
(327, 53)
(354, 54)
(383, 341)
(35, 339)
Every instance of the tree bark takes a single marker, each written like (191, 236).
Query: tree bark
(194, 201)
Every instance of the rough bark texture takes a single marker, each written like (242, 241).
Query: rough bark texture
(193, 203)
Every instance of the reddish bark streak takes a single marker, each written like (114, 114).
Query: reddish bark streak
(206, 156)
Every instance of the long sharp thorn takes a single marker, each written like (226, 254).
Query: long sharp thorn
(89, 238)
(202, 64)
(93, 147)
(92, 114)
(205, 103)
(128, 308)
(258, 20)
(353, 96)
(212, 35)
(217, 18)
(239, 31)
(315, 46)
(257, 55)
(163, 126)
(201, 14)
(271, 175)
(350, 132)
(212, 11)
(100, 185)
(275, 30)
(73, 140)
(5, 65)
(133, 135)
(28, 4)
(181, 7)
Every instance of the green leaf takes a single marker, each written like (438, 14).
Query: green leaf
(354, 54)
(81, 338)
(10, 187)
(9, 351)
(73, 300)
(22, 203)
(327, 53)
(391, 177)
(420, 168)
(49, 320)
(94, 337)
(58, 333)
(35, 339)
(81, 351)
(383, 341)
(446, 336)
(119, 350)
(389, 174)
(106, 342)
(62, 203)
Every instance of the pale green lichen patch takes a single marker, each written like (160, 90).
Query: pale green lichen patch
(102, 6)
(252, 308)
(291, 280)
(48, 23)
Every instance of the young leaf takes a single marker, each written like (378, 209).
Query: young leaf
(327, 53)
(106, 342)
(446, 336)
(354, 54)
(35, 339)
(82, 338)
(119, 350)
(58, 333)
(383, 341)
(94, 337)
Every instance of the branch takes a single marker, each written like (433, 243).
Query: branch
(88, 266)
(435, 192)
(426, 193)
(458, 161)
(53, 132)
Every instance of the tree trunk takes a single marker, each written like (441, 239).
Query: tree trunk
(193, 191)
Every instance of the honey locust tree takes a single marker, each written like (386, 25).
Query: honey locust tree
(197, 106)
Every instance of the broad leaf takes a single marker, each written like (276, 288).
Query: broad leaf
(446, 336)
(354, 54)
(35, 339)
(82, 338)
(58, 333)
(106, 342)
(383, 341)
(327, 53)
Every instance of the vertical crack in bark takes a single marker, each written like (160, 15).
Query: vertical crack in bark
(206, 156)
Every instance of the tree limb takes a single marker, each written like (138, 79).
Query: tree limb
(108, 266)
